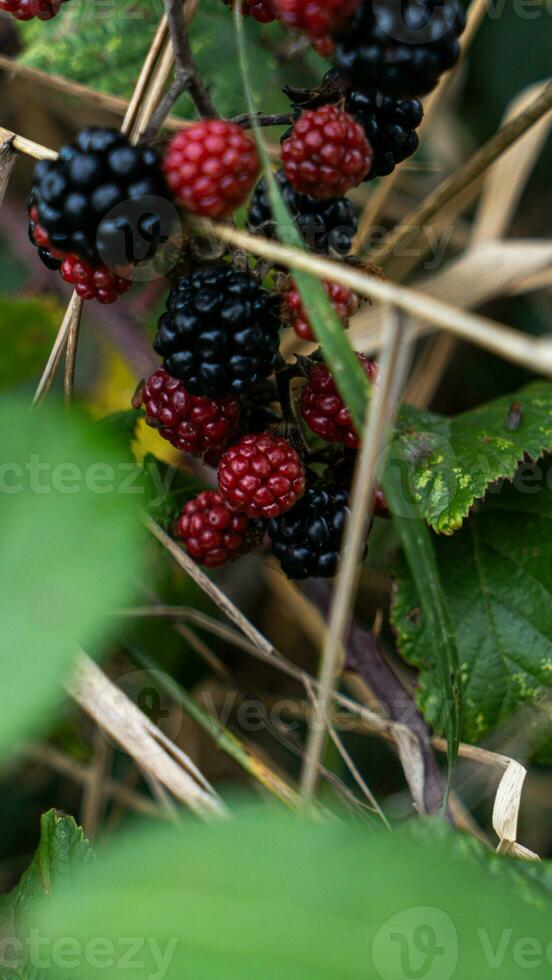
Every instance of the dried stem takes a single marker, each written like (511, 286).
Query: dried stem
(381, 409)
(71, 350)
(513, 345)
(187, 77)
(463, 177)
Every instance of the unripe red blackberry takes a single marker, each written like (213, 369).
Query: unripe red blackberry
(261, 476)
(194, 424)
(28, 9)
(400, 48)
(211, 532)
(389, 122)
(317, 18)
(323, 408)
(326, 153)
(326, 226)
(90, 283)
(260, 10)
(343, 300)
(211, 166)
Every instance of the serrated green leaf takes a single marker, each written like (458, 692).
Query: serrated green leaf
(62, 849)
(69, 540)
(266, 894)
(452, 461)
(497, 578)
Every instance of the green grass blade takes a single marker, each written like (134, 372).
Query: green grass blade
(418, 548)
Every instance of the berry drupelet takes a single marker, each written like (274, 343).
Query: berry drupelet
(211, 167)
(400, 48)
(90, 283)
(28, 9)
(39, 238)
(323, 408)
(78, 199)
(261, 476)
(211, 532)
(307, 539)
(343, 300)
(194, 424)
(326, 153)
(327, 226)
(220, 332)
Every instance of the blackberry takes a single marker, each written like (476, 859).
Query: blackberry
(220, 332)
(78, 199)
(390, 125)
(327, 226)
(400, 47)
(389, 122)
(307, 539)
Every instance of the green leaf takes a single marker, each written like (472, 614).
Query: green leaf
(27, 329)
(69, 543)
(497, 579)
(268, 895)
(452, 461)
(62, 849)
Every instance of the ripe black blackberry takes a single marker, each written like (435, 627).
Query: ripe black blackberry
(327, 226)
(400, 47)
(307, 539)
(220, 332)
(389, 122)
(76, 196)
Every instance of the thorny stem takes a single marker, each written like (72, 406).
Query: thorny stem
(187, 77)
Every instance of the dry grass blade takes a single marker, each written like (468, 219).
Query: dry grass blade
(73, 312)
(506, 812)
(479, 275)
(385, 188)
(119, 717)
(380, 411)
(71, 348)
(465, 176)
(507, 178)
(513, 345)
(8, 159)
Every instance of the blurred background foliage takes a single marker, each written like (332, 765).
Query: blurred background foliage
(102, 44)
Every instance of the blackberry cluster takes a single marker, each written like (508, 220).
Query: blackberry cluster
(219, 334)
(77, 198)
(327, 226)
(306, 540)
(389, 122)
(401, 47)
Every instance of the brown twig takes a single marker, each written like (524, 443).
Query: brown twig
(187, 77)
